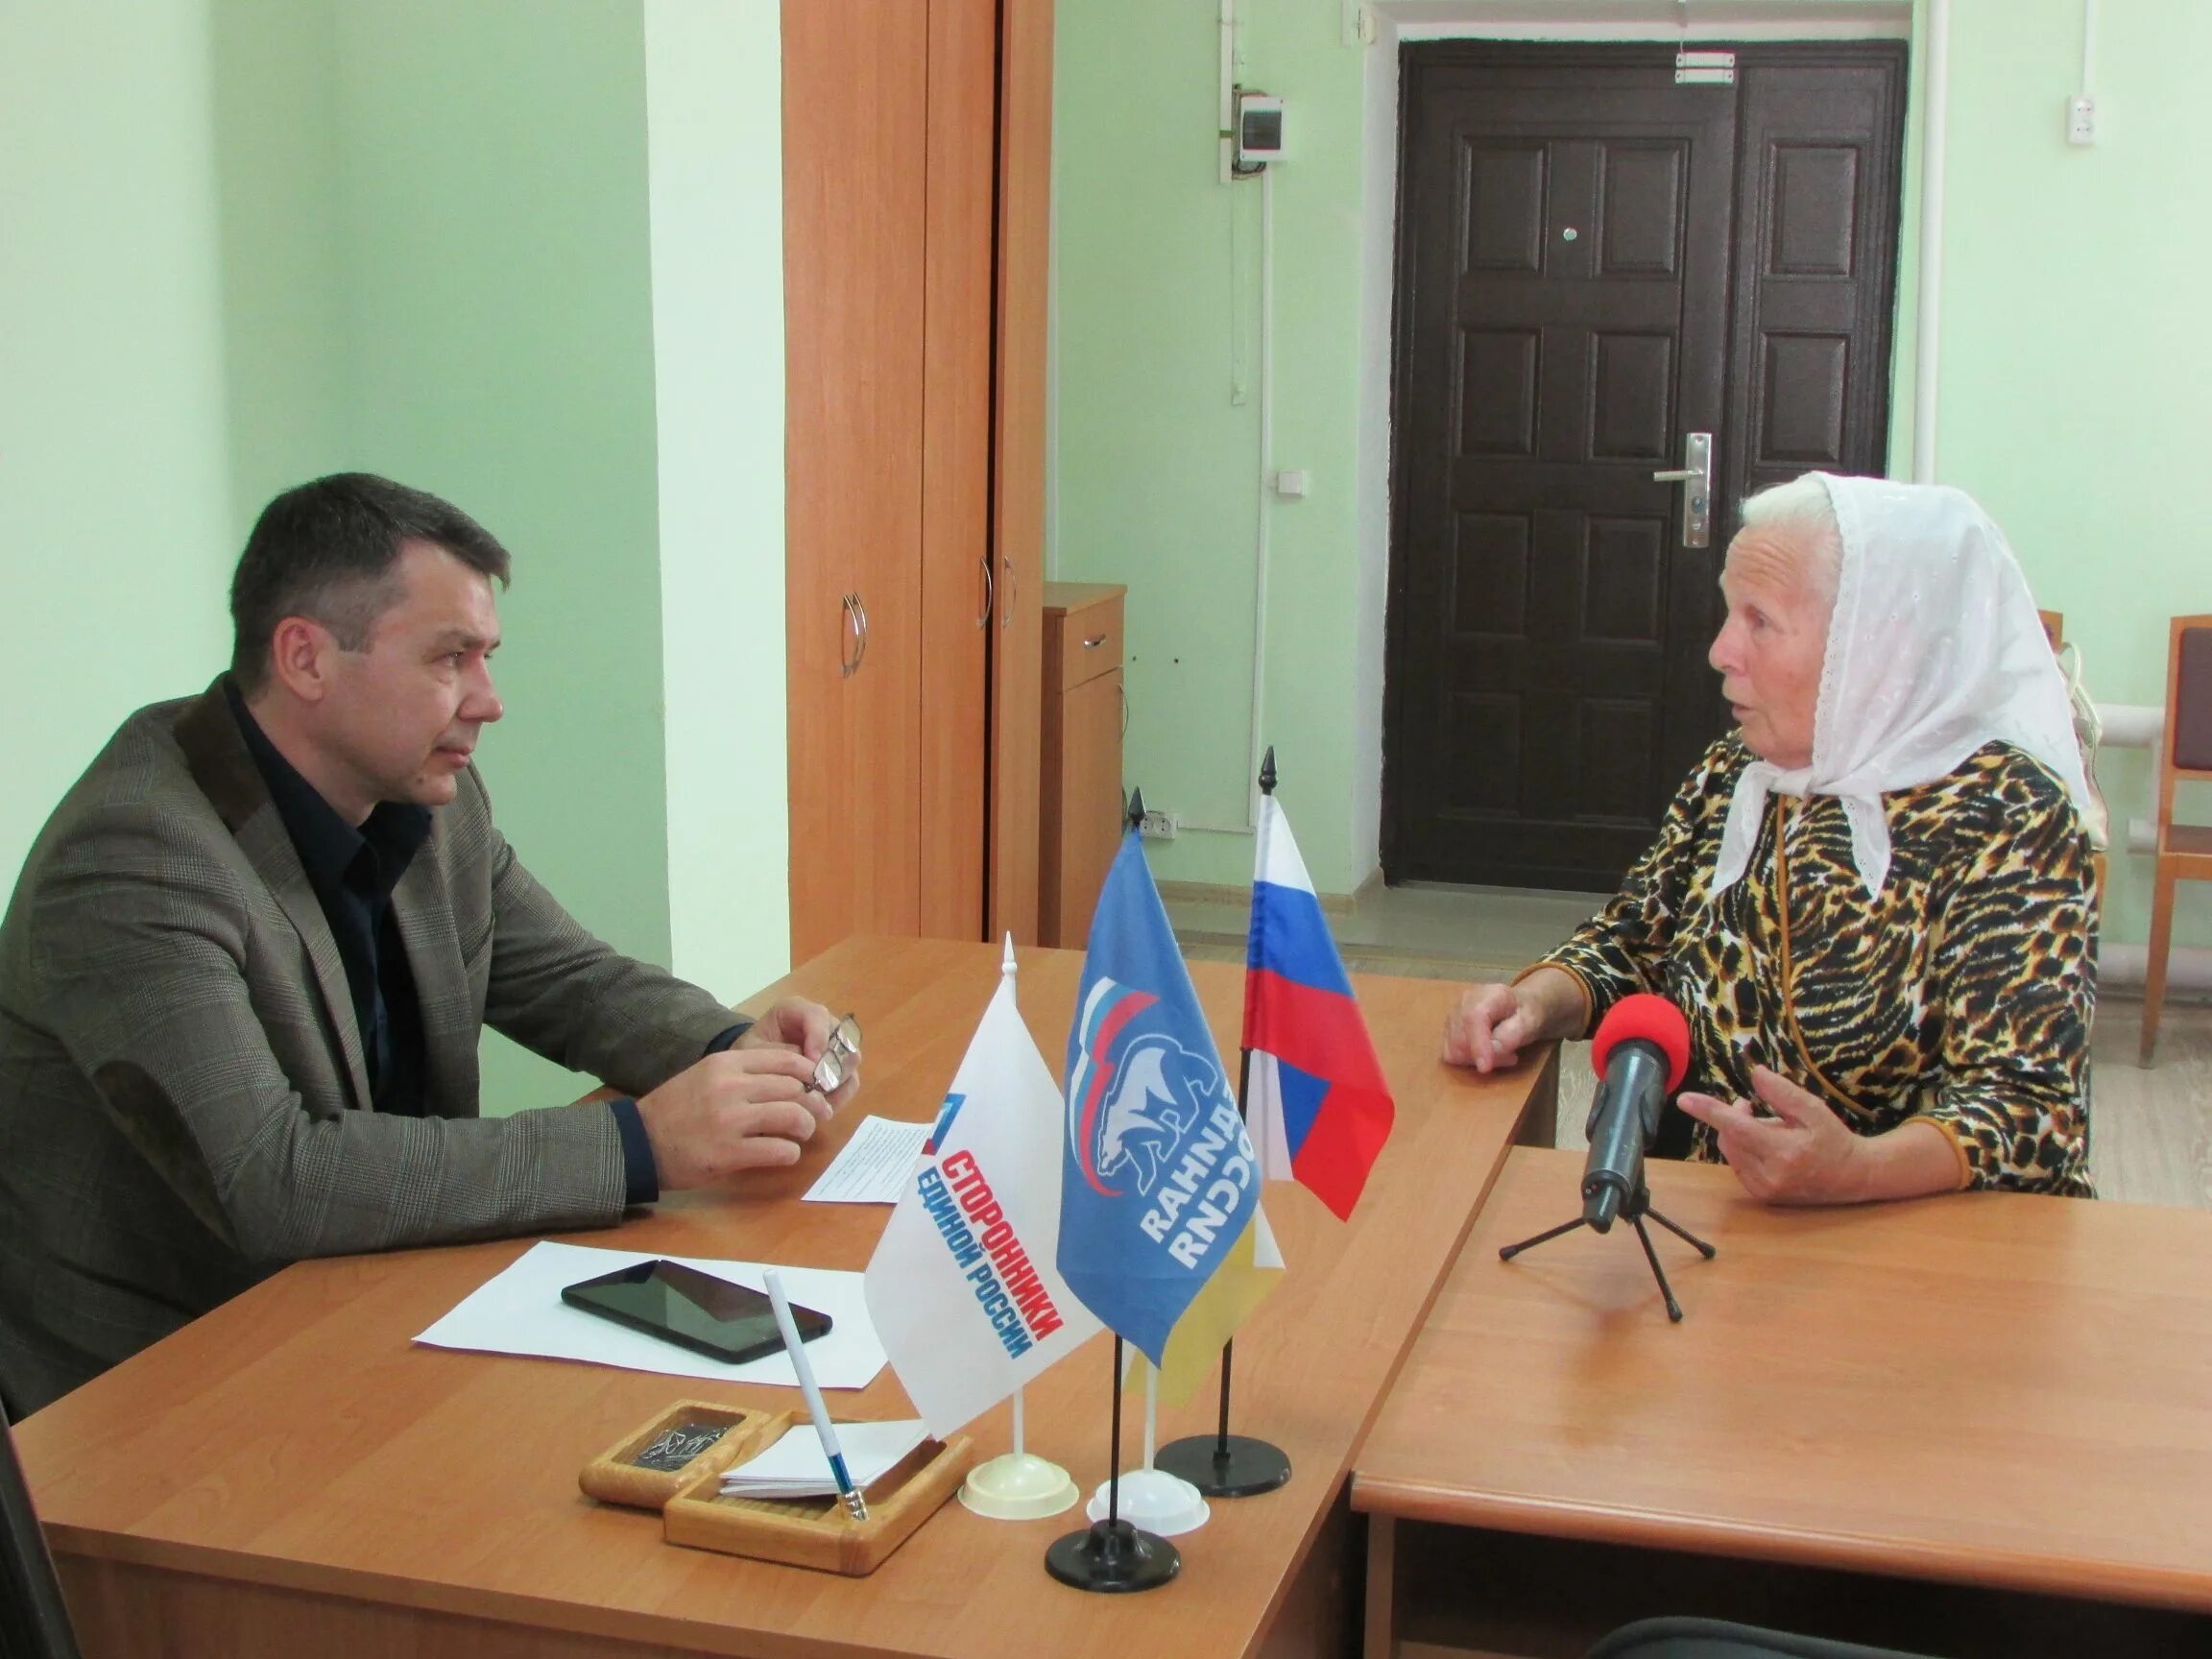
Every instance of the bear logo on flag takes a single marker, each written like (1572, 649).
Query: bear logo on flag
(1147, 1116)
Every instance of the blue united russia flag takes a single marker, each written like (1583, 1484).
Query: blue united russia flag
(1160, 1181)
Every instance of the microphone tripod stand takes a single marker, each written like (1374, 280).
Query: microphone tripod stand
(1638, 1207)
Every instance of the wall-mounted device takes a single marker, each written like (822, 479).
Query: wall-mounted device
(1258, 130)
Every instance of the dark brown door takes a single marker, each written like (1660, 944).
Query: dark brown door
(1593, 262)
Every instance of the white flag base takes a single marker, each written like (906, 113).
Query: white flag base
(1018, 1487)
(1155, 1502)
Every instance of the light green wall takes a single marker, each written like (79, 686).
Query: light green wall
(466, 245)
(2074, 380)
(713, 82)
(115, 529)
(282, 223)
(2077, 377)
(1157, 475)
(499, 340)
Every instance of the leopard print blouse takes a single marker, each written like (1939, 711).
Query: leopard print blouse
(1962, 996)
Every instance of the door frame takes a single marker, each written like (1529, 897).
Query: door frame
(1400, 22)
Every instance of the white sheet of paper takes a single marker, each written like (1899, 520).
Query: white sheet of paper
(795, 1467)
(520, 1312)
(874, 1164)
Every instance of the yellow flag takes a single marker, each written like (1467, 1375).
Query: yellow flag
(1236, 1287)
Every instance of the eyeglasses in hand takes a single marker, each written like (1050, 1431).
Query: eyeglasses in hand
(838, 1058)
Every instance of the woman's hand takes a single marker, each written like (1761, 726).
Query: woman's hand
(1803, 1154)
(1806, 1154)
(1493, 1023)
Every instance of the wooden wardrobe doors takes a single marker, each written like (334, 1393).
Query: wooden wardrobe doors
(1024, 291)
(917, 170)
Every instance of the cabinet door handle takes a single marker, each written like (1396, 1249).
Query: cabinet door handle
(1013, 592)
(1093, 643)
(990, 592)
(856, 620)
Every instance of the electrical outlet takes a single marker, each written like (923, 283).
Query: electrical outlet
(2082, 120)
(1160, 826)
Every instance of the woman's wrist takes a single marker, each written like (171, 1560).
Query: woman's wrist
(1911, 1161)
(1561, 1005)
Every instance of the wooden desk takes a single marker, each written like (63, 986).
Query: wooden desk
(289, 1475)
(1982, 1389)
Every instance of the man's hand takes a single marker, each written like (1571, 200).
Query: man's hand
(1492, 1023)
(796, 1024)
(1804, 1154)
(747, 1108)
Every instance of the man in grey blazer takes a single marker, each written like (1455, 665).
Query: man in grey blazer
(248, 958)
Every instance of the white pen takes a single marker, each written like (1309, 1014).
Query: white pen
(855, 1505)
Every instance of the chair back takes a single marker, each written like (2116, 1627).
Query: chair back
(2053, 627)
(2187, 752)
(34, 1621)
(1680, 1637)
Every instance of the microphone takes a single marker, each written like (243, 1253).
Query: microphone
(1641, 1052)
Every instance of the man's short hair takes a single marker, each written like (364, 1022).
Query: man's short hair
(330, 550)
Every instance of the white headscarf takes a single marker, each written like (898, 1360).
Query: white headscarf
(1933, 650)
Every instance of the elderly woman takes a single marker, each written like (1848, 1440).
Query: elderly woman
(1873, 900)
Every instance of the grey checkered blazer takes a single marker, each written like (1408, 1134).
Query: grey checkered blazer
(183, 1105)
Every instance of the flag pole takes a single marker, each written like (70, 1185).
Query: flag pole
(1112, 1556)
(1233, 1466)
(1014, 1485)
(1114, 1454)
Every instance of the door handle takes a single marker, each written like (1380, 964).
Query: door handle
(855, 620)
(1695, 476)
(990, 592)
(1013, 594)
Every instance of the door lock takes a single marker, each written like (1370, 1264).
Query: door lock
(1695, 476)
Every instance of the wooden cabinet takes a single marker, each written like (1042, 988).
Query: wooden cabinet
(917, 167)
(1080, 777)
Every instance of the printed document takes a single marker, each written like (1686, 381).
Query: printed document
(874, 1167)
(520, 1312)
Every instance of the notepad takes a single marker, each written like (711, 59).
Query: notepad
(794, 1466)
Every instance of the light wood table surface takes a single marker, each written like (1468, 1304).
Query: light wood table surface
(1989, 1389)
(289, 1474)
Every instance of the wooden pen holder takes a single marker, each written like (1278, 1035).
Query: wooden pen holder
(640, 1469)
(817, 1532)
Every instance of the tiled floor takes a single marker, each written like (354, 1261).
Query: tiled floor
(2152, 1134)
(1434, 932)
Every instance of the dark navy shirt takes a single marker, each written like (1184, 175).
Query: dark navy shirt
(353, 872)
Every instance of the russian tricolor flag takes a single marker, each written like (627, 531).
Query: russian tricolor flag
(1319, 1109)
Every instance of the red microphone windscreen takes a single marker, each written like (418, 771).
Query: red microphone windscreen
(1647, 1019)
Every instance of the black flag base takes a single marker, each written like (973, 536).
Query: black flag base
(1113, 1558)
(1226, 1465)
